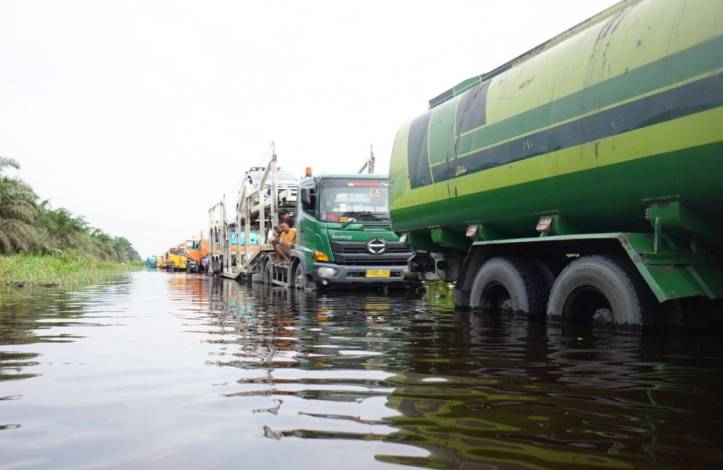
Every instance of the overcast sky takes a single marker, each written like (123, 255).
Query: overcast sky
(139, 115)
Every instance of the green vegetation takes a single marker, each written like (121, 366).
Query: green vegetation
(43, 245)
(64, 269)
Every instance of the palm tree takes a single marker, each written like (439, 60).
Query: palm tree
(17, 212)
(102, 245)
(27, 224)
(124, 250)
(64, 229)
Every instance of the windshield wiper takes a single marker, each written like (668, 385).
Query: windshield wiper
(350, 221)
(358, 214)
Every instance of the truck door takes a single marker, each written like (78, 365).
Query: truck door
(307, 222)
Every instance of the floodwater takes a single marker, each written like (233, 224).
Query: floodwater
(173, 371)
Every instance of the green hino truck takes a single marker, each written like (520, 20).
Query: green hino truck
(344, 235)
(343, 232)
(582, 180)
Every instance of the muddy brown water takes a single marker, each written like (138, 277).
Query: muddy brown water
(174, 371)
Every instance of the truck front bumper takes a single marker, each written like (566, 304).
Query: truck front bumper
(326, 274)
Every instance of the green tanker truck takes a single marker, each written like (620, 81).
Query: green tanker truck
(581, 180)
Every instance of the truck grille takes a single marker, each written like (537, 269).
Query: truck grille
(356, 253)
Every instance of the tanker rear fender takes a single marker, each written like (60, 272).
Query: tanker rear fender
(673, 269)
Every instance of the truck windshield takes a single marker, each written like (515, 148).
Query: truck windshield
(345, 199)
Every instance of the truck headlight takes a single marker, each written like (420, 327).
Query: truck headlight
(326, 271)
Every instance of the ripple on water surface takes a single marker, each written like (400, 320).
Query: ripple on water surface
(184, 371)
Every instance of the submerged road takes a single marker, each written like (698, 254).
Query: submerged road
(175, 371)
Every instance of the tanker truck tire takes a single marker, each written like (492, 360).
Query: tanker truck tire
(601, 290)
(509, 285)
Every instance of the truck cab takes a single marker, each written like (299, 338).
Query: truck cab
(344, 234)
(195, 251)
(176, 259)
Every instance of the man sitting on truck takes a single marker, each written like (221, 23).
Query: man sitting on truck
(288, 235)
(284, 242)
(285, 217)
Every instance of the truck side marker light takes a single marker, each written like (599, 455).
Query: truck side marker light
(320, 256)
(471, 231)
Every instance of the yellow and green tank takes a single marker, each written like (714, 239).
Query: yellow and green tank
(614, 127)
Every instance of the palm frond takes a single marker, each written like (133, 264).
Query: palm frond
(8, 162)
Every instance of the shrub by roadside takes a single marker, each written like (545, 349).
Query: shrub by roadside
(62, 269)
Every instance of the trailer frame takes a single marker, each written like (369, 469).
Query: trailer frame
(258, 211)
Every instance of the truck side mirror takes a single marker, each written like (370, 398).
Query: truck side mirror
(305, 198)
(308, 201)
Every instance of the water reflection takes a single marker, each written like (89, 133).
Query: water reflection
(469, 388)
(39, 315)
(364, 379)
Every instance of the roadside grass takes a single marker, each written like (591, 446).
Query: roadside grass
(63, 269)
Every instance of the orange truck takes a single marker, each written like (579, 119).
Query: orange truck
(195, 251)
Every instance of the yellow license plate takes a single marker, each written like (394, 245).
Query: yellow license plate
(378, 273)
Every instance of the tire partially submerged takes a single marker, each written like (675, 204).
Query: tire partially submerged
(599, 289)
(298, 277)
(509, 285)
